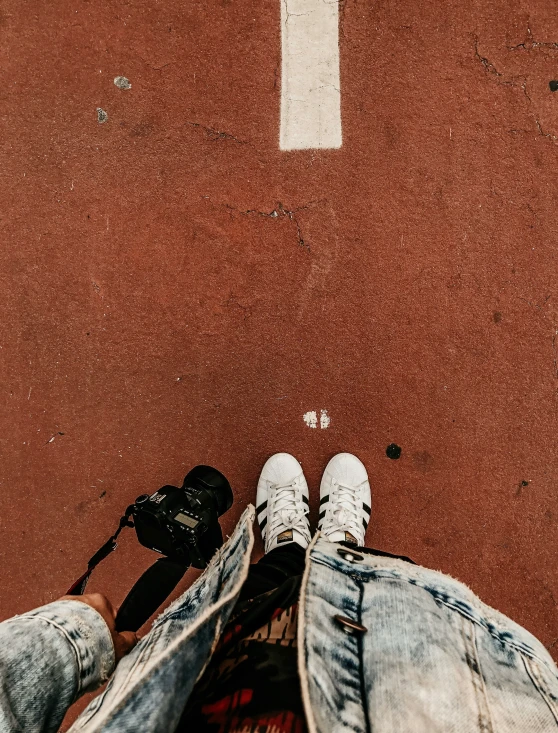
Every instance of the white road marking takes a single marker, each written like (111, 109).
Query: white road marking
(311, 419)
(310, 83)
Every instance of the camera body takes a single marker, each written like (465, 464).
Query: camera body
(182, 523)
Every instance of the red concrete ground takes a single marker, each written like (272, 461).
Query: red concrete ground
(154, 314)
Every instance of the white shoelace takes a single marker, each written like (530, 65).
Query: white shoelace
(287, 510)
(346, 516)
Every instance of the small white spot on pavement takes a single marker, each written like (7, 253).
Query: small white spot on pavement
(122, 83)
(311, 419)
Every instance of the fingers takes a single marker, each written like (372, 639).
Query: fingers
(124, 642)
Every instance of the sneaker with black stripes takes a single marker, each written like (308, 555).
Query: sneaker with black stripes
(282, 502)
(345, 500)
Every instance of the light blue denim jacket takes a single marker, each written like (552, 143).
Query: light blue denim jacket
(433, 658)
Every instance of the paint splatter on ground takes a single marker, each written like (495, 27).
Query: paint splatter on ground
(122, 83)
(311, 419)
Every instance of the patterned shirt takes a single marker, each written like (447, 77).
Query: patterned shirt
(251, 684)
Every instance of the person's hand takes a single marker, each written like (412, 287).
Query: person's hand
(124, 641)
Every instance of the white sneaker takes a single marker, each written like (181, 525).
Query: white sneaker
(345, 500)
(282, 502)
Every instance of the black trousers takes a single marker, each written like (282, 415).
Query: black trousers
(273, 569)
(285, 562)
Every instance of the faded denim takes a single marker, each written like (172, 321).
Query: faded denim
(433, 659)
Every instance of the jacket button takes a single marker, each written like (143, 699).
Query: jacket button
(349, 555)
(350, 626)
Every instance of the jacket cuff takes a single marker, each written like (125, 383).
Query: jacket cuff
(86, 631)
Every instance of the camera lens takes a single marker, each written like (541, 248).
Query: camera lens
(214, 483)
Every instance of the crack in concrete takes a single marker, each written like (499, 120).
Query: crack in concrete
(517, 82)
(339, 3)
(529, 43)
(534, 44)
(536, 305)
(554, 138)
(288, 15)
(327, 86)
(488, 65)
(215, 135)
(155, 68)
(280, 212)
(514, 81)
(525, 92)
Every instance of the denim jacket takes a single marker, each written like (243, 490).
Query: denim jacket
(383, 646)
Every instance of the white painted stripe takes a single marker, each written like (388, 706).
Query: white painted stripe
(325, 419)
(310, 84)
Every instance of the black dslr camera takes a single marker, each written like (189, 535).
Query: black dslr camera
(180, 523)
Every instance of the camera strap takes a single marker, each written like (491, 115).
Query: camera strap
(110, 545)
